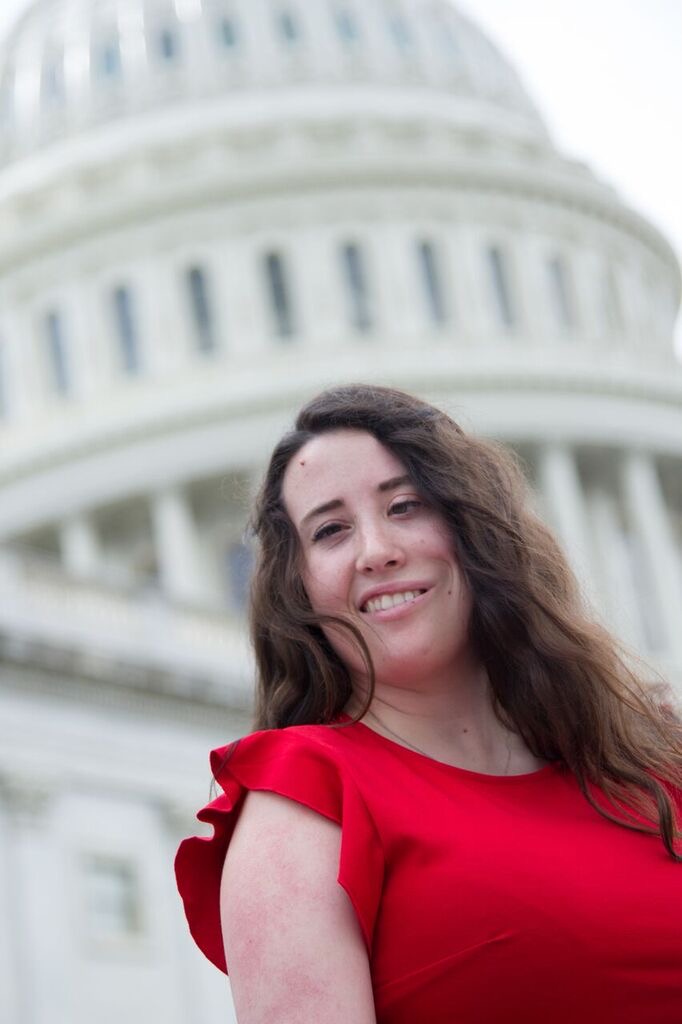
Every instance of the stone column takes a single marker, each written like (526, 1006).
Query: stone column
(563, 497)
(617, 585)
(34, 904)
(177, 547)
(79, 543)
(649, 517)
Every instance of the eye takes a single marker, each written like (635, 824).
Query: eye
(399, 507)
(326, 531)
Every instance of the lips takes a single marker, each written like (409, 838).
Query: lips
(390, 595)
(384, 601)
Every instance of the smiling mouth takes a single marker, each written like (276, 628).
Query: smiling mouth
(383, 601)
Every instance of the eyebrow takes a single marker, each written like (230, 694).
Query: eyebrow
(387, 485)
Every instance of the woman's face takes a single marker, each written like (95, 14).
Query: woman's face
(373, 551)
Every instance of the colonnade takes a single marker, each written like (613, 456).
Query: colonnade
(621, 542)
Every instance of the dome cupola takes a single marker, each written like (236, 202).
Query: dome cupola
(73, 65)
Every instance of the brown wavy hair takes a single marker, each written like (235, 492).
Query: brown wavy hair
(557, 677)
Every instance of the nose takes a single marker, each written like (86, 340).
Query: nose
(378, 548)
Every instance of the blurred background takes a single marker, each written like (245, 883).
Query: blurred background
(209, 210)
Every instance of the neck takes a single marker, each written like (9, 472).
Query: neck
(455, 723)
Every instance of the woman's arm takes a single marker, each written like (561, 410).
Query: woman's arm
(292, 941)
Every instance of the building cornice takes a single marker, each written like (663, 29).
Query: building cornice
(112, 181)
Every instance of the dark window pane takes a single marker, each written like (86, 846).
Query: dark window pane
(432, 283)
(228, 33)
(278, 294)
(561, 299)
(124, 317)
(400, 32)
(200, 304)
(169, 44)
(52, 79)
(346, 25)
(500, 283)
(54, 328)
(107, 59)
(289, 28)
(356, 287)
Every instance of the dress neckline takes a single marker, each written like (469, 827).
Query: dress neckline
(539, 773)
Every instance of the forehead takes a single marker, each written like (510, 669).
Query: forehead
(336, 465)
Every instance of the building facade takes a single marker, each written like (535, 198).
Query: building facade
(209, 210)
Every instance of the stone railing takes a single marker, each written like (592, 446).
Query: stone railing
(42, 607)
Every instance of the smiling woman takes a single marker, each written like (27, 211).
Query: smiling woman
(453, 772)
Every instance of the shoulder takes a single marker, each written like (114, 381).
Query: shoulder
(294, 791)
(294, 744)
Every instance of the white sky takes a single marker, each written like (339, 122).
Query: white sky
(607, 75)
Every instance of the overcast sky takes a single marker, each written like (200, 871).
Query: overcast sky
(607, 75)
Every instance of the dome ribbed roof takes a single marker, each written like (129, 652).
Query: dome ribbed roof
(69, 65)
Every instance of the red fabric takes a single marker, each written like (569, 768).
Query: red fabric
(481, 898)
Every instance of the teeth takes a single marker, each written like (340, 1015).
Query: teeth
(390, 600)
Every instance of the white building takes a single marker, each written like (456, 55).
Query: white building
(209, 209)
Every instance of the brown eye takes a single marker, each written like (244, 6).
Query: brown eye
(326, 531)
(404, 506)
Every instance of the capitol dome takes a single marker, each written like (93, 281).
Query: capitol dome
(71, 66)
(209, 210)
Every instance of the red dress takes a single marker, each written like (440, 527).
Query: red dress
(481, 898)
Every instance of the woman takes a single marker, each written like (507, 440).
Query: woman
(459, 805)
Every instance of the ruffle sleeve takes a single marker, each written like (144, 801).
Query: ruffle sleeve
(302, 768)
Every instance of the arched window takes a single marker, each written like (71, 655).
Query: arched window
(357, 290)
(57, 358)
(126, 329)
(201, 308)
(431, 282)
(499, 279)
(279, 294)
(347, 27)
(560, 294)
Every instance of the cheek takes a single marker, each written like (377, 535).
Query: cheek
(325, 585)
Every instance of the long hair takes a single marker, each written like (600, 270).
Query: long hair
(558, 678)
